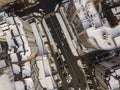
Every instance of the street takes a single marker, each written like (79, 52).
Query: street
(78, 78)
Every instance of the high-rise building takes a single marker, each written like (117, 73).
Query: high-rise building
(22, 49)
(95, 23)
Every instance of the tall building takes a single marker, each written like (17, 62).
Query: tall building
(43, 60)
(95, 23)
(106, 70)
(29, 53)
(98, 22)
(22, 49)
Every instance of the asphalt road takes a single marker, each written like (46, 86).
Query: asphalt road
(78, 78)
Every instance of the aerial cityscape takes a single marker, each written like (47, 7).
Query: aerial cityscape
(59, 44)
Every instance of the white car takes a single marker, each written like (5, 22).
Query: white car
(68, 78)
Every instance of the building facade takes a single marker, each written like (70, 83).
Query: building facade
(22, 50)
(95, 23)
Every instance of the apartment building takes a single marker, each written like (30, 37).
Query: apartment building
(22, 49)
(95, 24)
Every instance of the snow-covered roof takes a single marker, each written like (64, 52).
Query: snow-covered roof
(29, 83)
(24, 56)
(43, 57)
(26, 69)
(39, 39)
(41, 69)
(77, 4)
(2, 63)
(47, 83)
(3, 16)
(1, 32)
(16, 68)
(14, 57)
(45, 76)
(17, 34)
(19, 85)
(89, 16)
(9, 40)
(67, 35)
(42, 82)
(80, 3)
(114, 84)
(46, 65)
(19, 51)
(49, 35)
(104, 37)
